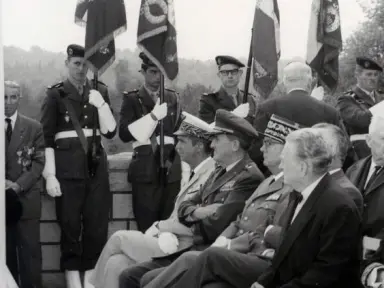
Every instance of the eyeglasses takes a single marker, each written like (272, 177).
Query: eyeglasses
(233, 72)
(269, 142)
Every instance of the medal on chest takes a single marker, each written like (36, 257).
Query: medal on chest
(66, 117)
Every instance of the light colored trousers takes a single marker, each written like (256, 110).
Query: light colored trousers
(123, 249)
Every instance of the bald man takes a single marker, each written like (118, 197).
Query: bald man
(297, 104)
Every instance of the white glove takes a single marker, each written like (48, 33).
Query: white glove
(160, 111)
(168, 242)
(222, 242)
(152, 231)
(96, 99)
(53, 186)
(242, 110)
(318, 93)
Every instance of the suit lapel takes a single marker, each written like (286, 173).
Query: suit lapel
(262, 189)
(364, 96)
(300, 221)
(226, 177)
(379, 180)
(226, 100)
(362, 170)
(17, 135)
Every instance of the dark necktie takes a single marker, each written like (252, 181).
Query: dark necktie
(373, 177)
(9, 129)
(295, 198)
(219, 171)
(191, 175)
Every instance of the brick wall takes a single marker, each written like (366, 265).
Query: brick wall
(121, 217)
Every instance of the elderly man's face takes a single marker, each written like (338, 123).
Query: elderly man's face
(11, 100)
(291, 165)
(229, 75)
(368, 79)
(271, 150)
(222, 147)
(186, 149)
(376, 143)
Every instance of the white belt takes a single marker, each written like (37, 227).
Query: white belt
(358, 137)
(167, 140)
(73, 134)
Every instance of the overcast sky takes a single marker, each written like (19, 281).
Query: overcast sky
(205, 27)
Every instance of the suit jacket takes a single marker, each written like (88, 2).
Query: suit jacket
(232, 190)
(321, 247)
(373, 216)
(25, 162)
(247, 232)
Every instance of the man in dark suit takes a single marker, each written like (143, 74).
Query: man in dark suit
(25, 160)
(139, 124)
(355, 103)
(368, 175)
(74, 118)
(221, 198)
(321, 232)
(339, 142)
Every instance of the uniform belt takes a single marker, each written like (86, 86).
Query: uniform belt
(73, 134)
(167, 140)
(358, 137)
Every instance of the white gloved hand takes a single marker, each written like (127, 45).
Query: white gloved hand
(242, 110)
(152, 231)
(318, 93)
(96, 99)
(53, 186)
(168, 242)
(160, 111)
(222, 242)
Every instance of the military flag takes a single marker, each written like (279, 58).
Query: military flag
(266, 46)
(104, 20)
(156, 35)
(324, 41)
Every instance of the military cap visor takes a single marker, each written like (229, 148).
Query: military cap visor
(368, 64)
(74, 50)
(228, 123)
(195, 127)
(225, 59)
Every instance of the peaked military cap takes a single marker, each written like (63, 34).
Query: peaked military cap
(74, 50)
(368, 63)
(193, 126)
(146, 61)
(228, 123)
(225, 59)
(278, 128)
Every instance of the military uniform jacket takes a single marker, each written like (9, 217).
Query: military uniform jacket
(220, 99)
(232, 190)
(354, 109)
(70, 158)
(137, 104)
(25, 162)
(373, 215)
(247, 232)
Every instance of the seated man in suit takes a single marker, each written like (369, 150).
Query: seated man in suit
(368, 175)
(125, 248)
(233, 257)
(222, 197)
(24, 154)
(339, 142)
(321, 231)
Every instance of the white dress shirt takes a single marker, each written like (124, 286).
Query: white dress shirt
(198, 167)
(334, 171)
(13, 121)
(306, 193)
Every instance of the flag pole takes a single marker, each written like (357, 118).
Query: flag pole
(163, 170)
(248, 74)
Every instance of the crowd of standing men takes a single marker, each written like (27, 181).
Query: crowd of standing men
(263, 202)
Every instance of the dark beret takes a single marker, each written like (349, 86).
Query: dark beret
(75, 50)
(225, 59)
(146, 61)
(368, 63)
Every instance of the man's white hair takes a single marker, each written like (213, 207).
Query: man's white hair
(297, 75)
(377, 124)
(13, 85)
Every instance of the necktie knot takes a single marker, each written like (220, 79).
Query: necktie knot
(296, 196)
(8, 120)
(191, 175)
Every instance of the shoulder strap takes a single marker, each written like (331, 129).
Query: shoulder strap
(75, 121)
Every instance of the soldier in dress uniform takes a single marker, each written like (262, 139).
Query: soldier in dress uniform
(228, 97)
(354, 104)
(139, 122)
(74, 117)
